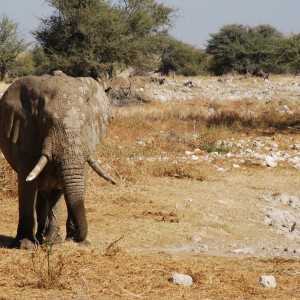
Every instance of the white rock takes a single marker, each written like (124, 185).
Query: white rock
(270, 162)
(297, 166)
(211, 111)
(243, 251)
(294, 201)
(274, 145)
(235, 166)
(294, 160)
(181, 279)
(282, 198)
(194, 157)
(196, 239)
(189, 152)
(141, 143)
(219, 168)
(268, 281)
(283, 220)
(257, 144)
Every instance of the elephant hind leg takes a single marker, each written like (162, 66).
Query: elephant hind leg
(52, 233)
(48, 216)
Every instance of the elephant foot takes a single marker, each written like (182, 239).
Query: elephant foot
(24, 244)
(53, 241)
(52, 236)
(84, 243)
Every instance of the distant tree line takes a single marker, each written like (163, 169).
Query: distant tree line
(95, 37)
(236, 47)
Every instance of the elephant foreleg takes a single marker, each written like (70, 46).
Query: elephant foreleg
(27, 192)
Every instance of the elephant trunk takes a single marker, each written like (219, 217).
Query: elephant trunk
(74, 192)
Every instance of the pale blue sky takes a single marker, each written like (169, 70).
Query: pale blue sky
(196, 18)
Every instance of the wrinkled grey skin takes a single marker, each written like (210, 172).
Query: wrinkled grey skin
(63, 119)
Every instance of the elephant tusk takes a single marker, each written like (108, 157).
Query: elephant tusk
(97, 168)
(38, 168)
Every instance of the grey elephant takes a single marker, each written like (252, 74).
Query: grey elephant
(49, 128)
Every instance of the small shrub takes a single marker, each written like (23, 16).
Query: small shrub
(47, 267)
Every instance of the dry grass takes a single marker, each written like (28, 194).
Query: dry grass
(94, 275)
(162, 132)
(8, 179)
(143, 151)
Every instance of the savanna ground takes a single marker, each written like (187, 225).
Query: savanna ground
(169, 213)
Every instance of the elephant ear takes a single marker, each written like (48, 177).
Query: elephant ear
(17, 122)
(98, 111)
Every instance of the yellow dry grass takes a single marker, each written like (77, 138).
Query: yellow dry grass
(161, 201)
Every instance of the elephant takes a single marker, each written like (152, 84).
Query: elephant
(50, 127)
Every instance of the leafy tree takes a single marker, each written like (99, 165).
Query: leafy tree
(23, 65)
(11, 44)
(84, 37)
(238, 46)
(262, 47)
(228, 48)
(289, 53)
(183, 59)
(40, 61)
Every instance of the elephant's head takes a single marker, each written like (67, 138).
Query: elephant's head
(60, 120)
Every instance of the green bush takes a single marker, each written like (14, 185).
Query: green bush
(183, 59)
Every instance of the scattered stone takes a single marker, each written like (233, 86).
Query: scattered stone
(141, 143)
(274, 145)
(235, 166)
(270, 162)
(257, 144)
(181, 279)
(196, 239)
(194, 157)
(189, 152)
(224, 144)
(268, 281)
(243, 251)
(211, 111)
(284, 221)
(222, 202)
(189, 84)
(201, 249)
